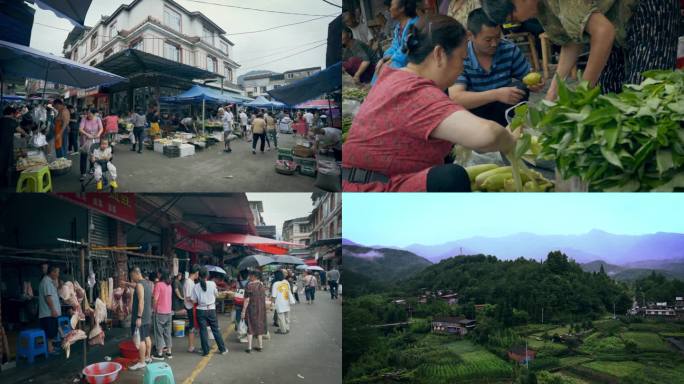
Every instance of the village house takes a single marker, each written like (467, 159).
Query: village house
(459, 326)
(449, 298)
(522, 355)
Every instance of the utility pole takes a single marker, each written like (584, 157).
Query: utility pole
(542, 315)
(527, 360)
(614, 310)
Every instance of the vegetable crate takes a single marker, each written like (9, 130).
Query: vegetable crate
(307, 166)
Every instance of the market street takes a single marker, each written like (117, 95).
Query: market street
(208, 170)
(311, 353)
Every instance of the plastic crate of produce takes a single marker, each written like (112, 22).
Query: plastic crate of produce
(171, 151)
(285, 157)
(305, 161)
(285, 151)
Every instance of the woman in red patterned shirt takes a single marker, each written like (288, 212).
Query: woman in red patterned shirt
(407, 125)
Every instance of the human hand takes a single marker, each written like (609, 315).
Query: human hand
(537, 88)
(552, 93)
(138, 322)
(510, 95)
(54, 313)
(357, 78)
(509, 145)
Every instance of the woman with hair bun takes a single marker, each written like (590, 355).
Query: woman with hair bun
(407, 125)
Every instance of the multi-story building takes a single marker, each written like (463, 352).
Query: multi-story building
(259, 83)
(159, 27)
(297, 231)
(257, 208)
(326, 228)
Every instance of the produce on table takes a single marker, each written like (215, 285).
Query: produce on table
(346, 125)
(532, 79)
(350, 93)
(493, 178)
(631, 141)
(60, 163)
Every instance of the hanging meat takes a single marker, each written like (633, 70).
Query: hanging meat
(96, 335)
(70, 338)
(68, 293)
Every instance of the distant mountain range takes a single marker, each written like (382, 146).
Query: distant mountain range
(625, 257)
(381, 264)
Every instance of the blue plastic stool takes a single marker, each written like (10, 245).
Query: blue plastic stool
(63, 323)
(158, 373)
(32, 343)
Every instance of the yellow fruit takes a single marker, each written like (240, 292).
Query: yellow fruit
(494, 183)
(475, 170)
(484, 175)
(531, 186)
(532, 79)
(509, 185)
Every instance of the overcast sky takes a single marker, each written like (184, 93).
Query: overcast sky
(279, 207)
(401, 219)
(249, 49)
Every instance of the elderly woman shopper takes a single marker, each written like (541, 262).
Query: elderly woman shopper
(408, 125)
(254, 311)
(163, 314)
(626, 37)
(90, 129)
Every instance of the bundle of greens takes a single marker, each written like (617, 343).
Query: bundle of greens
(346, 125)
(358, 94)
(631, 141)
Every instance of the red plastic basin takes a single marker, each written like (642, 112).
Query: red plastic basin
(102, 373)
(128, 349)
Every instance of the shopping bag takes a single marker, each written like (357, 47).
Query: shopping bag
(136, 338)
(39, 140)
(131, 137)
(211, 334)
(292, 299)
(242, 328)
(239, 297)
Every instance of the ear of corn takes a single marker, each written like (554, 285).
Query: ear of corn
(496, 182)
(476, 170)
(484, 175)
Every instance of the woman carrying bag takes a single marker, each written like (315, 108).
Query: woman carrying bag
(254, 311)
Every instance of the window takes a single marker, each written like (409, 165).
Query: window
(227, 72)
(211, 64)
(112, 31)
(138, 44)
(207, 36)
(224, 47)
(81, 51)
(108, 53)
(263, 89)
(93, 41)
(171, 51)
(92, 63)
(172, 19)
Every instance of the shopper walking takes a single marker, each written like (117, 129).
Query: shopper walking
(254, 311)
(258, 132)
(141, 316)
(72, 146)
(188, 288)
(239, 301)
(271, 132)
(310, 284)
(282, 298)
(163, 314)
(139, 122)
(178, 298)
(333, 276)
(204, 295)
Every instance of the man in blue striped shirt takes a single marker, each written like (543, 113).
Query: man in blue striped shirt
(486, 85)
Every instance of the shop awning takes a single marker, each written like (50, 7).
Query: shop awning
(326, 242)
(325, 81)
(22, 61)
(317, 104)
(271, 249)
(239, 238)
(73, 10)
(262, 102)
(197, 94)
(130, 62)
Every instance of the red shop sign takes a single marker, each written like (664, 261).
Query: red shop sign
(120, 206)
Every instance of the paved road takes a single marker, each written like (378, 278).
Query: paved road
(209, 170)
(311, 353)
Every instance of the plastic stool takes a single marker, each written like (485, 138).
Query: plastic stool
(35, 180)
(63, 323)
(158, 373)
(32, 343)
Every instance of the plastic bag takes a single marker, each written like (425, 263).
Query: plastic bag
(131, 137)
(242, 328)
(211, 334)
(136, 338)
(39, 140)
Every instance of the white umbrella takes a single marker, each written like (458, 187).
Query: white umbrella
(213, 268)
(287, 259)
(310, 268)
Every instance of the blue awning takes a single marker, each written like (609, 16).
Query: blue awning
(325, 81)
(262, 102)
(73, 10)
(21, 61)
(199, 93)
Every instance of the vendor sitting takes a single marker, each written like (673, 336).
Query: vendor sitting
(359, 59)
(103, 155)
(485, 87)
(188, 125)
(407, 125)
